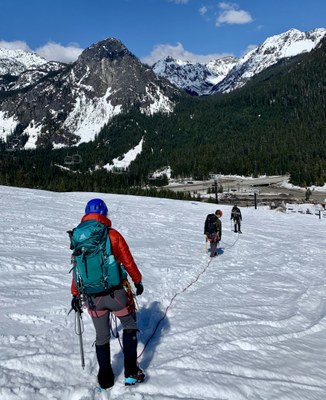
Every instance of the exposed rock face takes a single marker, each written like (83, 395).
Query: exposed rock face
(67, 104)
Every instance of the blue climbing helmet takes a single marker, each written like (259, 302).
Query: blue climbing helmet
(96, 206)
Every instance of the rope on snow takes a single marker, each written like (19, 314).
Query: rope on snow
(173, 298)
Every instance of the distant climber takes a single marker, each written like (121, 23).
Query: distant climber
(308, 194)
(237, 218)
(213, 231)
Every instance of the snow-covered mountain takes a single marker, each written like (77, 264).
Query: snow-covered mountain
(44, 103)
(14, 62)
(227, 74)
(71, 103)
(194, 78)
(275, 48)
(19, 69)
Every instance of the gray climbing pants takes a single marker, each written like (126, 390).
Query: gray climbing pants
(100, 308)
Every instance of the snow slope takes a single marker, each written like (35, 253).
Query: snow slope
(250, 324)
(15, 62)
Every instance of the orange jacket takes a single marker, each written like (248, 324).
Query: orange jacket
(119, 248)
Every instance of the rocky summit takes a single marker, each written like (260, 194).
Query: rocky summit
(61, 104)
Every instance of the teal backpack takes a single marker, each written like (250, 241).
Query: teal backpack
(94, 268)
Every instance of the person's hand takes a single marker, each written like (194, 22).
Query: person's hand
(75, 304)
(139, 288)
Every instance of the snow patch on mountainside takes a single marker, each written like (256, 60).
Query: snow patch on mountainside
(161, 172)
(89, 115)
(220, 68)
(33, 131)
(123, 162)
(159, 102)
(7, 125)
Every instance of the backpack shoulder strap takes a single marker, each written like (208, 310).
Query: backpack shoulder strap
(108, 249)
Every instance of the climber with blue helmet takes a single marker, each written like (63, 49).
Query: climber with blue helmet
(96, 206)
(117, 299)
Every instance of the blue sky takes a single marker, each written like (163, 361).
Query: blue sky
(196, 30)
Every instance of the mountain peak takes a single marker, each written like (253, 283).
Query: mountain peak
(110, 48)
(78, 99)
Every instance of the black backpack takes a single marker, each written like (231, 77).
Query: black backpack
(210, 223)
(235, 213)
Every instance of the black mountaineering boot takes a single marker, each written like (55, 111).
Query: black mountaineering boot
(105, 374)
(133, 374)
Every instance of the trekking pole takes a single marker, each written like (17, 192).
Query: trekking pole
(79, 329)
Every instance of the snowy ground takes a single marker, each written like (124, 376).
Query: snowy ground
(250, 324)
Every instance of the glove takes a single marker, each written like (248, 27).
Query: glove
(75, 304)
(139, 288)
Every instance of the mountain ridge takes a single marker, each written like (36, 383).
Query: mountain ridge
(231, 73)
(273, 125)
(276, 118)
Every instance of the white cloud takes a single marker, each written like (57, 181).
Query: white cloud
(226, 6)
(56, 52)
(50, 51)
(203, 10)
(16, 45)
(178, 51)
(230, 14)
